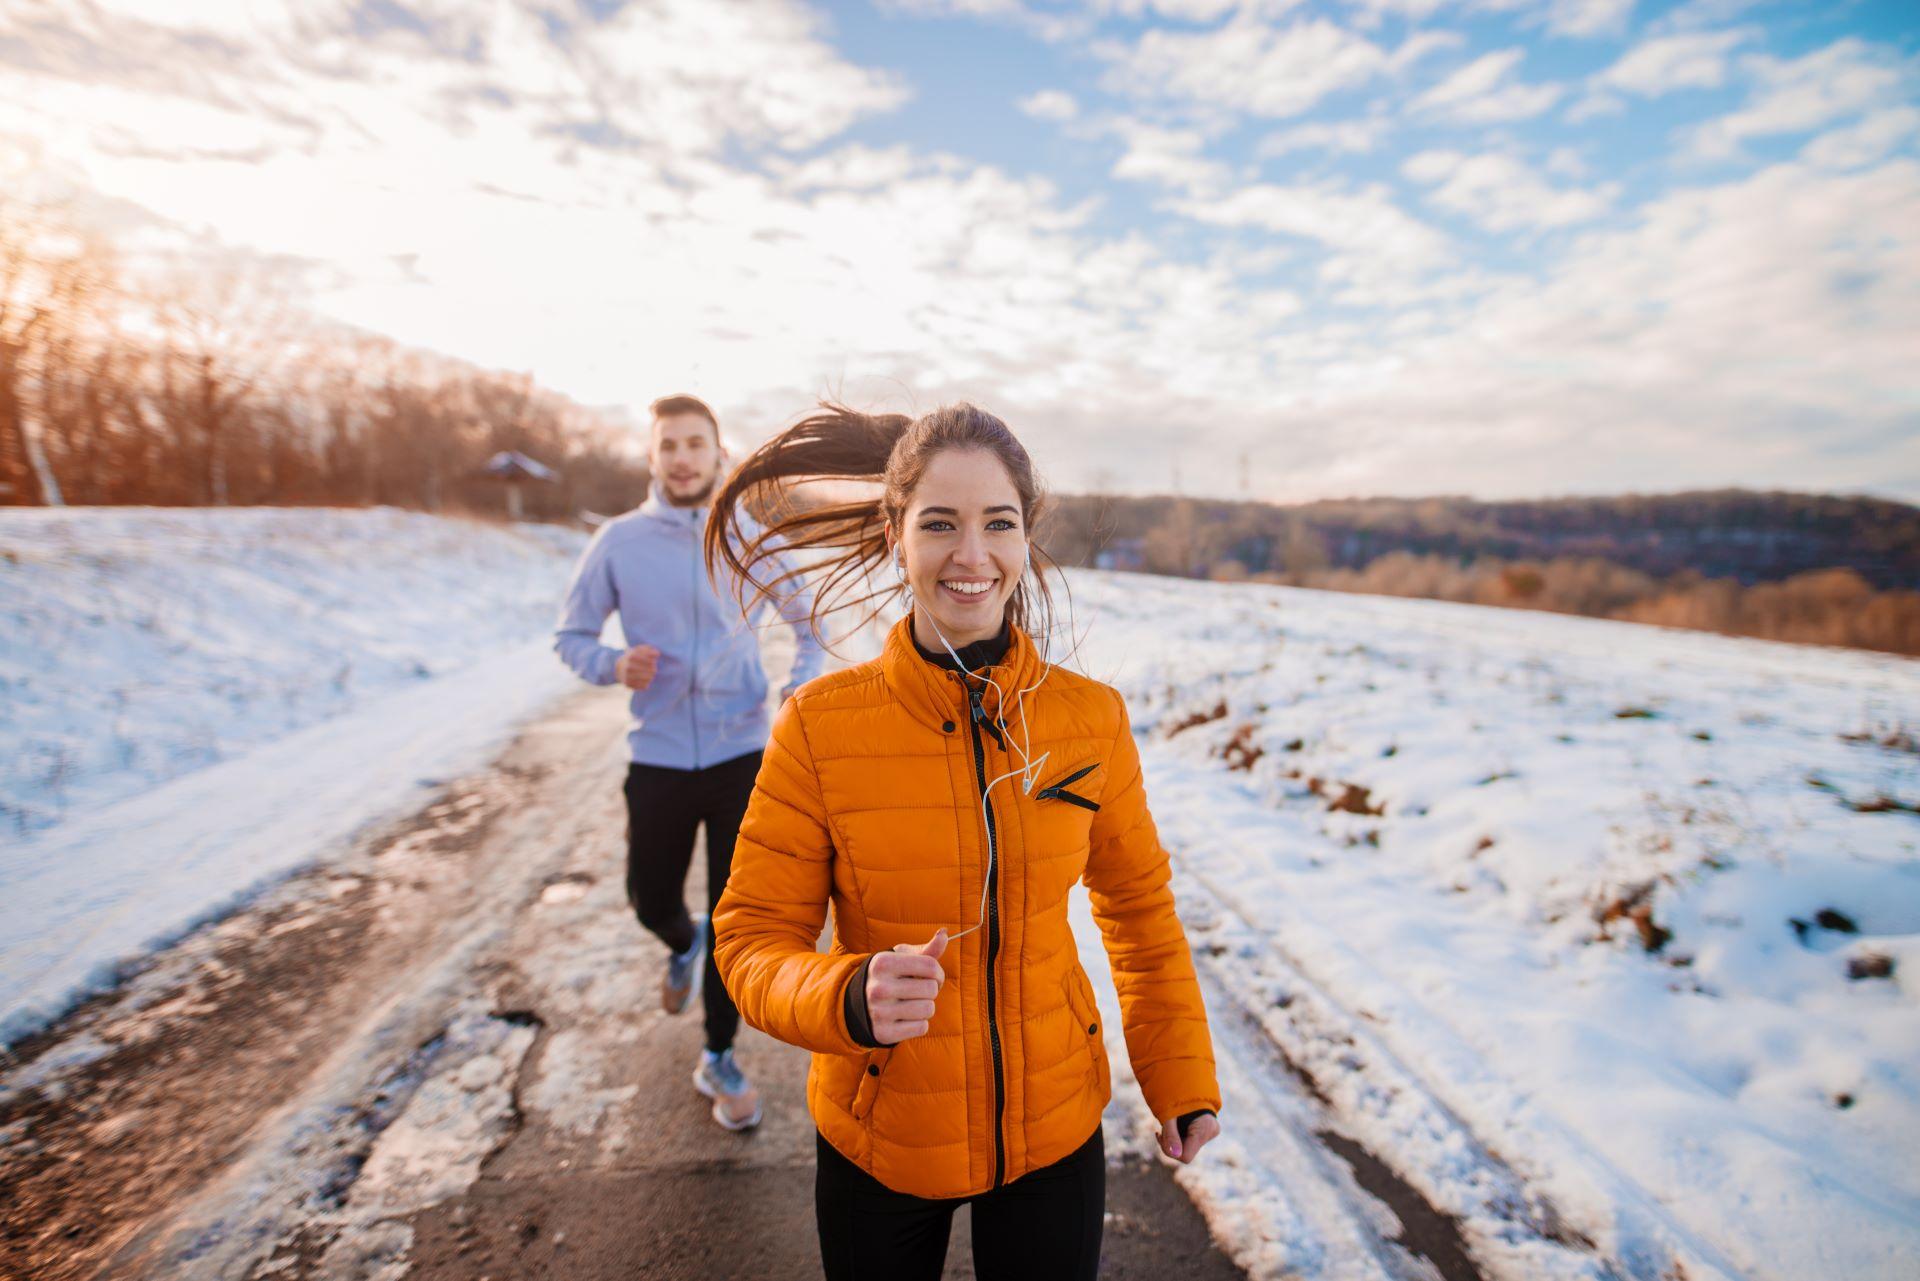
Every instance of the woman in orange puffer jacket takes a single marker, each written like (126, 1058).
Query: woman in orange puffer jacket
(944, 798)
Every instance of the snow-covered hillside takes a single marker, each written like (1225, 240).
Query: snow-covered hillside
(193, 702)
(1604, 937)
(1595, 943)
(138, 645)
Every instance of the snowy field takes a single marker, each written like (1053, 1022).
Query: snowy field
(1603, 937)
(1599, 939)
(193, 703)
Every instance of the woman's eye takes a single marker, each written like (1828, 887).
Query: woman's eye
(998, 523)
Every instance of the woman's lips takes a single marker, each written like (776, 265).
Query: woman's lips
(966, 598)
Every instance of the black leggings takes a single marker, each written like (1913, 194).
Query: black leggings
(664, 807)
(1044, 1224)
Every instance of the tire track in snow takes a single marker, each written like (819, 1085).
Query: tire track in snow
(1369, 1092)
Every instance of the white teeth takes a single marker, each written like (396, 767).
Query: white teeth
(968, 589)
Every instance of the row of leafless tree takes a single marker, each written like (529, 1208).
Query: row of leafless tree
(1810, 568)
(1749, 535)
(1819, 607)
(117, 387)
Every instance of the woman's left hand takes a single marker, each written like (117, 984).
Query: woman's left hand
(1203, 1129)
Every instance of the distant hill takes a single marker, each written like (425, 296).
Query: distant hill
(1745, 535)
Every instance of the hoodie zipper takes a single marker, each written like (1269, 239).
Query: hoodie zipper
(993, 937)
(693, 672)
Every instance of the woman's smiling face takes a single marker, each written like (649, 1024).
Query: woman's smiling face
(965, 545)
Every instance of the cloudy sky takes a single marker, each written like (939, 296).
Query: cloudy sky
(1284, 248)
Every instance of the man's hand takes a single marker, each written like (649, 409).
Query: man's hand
(636, 667)
(902, 986)
(1203, 1128)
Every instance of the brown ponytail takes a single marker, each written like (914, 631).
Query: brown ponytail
(839, 541)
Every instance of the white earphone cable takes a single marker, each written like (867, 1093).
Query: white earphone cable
(1029, 768)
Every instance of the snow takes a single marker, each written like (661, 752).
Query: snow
(1733, 1102)
(200, 702)
(1587, 965)
(432, 1151)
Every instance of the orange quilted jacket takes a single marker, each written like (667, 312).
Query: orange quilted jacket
(868, 798)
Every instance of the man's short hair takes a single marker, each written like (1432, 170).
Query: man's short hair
(667, 406)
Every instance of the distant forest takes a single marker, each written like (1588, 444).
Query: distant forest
(122, 387)
(1811, 568)
(203, 390)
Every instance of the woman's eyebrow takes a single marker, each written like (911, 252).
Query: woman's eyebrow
(985, 511)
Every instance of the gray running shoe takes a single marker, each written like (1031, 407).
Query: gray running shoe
(736, 1104)
(681, 982)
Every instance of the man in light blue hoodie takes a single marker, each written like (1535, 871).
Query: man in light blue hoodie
(699, 706)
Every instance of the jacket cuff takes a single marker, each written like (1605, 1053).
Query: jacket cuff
(1188, 1118)
(1175, 1087)
(605, 660)
(853, 1006)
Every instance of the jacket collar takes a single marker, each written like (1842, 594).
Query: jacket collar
(679, 517)
(935, 695)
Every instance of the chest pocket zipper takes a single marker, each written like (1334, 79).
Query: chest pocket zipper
(1058, 791)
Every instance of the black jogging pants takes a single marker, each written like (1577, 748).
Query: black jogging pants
(1045, 1225)
(664, 808)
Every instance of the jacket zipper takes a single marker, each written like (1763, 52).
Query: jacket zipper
(1059, 789)
(993, 939)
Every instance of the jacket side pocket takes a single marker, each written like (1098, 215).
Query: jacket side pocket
(872, 1072)
(1086, 1012)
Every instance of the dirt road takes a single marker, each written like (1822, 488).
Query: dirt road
(439, 1056)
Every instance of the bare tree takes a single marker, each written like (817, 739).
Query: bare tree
(50, 280)
(223, 333)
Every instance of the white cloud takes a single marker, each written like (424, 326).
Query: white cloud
(1364, 222)
(1756, 331)
(677, 77)
(1350, 136)
(1560, 17)
(1247, 65)
(1185, 10)
(1866, 141)
(1173, 158)
(1501, 193)
(1484, 91)
(959, 8)
(1696, 15)
(1043, 21)
(1050, 104)
(1795, 95)
(1370, 12)
(1588, 17)
(1421, 43)
(1594, 106)
(1567, 163)
(1695, 60)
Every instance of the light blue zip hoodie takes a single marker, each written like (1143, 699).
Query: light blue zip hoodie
(708, 699)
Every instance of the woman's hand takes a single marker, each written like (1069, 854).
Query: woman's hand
(902, 986)
(1203, 1129)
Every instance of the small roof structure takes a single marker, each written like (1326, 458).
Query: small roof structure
(511, 464)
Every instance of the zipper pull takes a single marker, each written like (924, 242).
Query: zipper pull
(980, 718)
